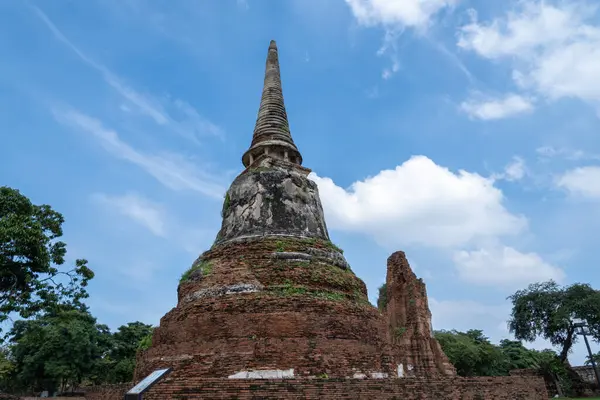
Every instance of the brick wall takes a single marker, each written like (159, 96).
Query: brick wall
(480, 388)
(586, 373)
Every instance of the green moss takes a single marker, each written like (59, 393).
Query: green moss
(226, 204)
(146, 342)
(288, 289)
(280, 246)
(399, 331)
(204, 266)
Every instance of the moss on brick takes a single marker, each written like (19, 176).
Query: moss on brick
(203, 266)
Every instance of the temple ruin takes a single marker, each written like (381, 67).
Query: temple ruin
(274, 300)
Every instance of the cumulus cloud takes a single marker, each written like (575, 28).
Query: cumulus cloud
(408, 13)
(554, 48)
(490, 109)
(420, 202)
(504, 266)
(583, 182)
(145, 212)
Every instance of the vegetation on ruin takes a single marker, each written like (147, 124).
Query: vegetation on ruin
(292, 243)
(204, 267)
(226, 204)
(289, 289)
(399, 331)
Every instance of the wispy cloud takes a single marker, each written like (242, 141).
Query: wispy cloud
(496, 108)
(188, 123)
(514, 171)
(146, 213)
(173, 171)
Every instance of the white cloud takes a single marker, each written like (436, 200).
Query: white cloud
(173, 171)
(513, 171)
(420, 202)
(175, 116)
(504, 266)
(583, 181)
(389, 72)
(389, 13)
(490, 109)
(145, 212)
(554, 49)
(569, 154)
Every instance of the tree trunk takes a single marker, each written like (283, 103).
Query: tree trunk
(567, 345)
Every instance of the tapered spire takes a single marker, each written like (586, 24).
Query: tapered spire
(272, 135)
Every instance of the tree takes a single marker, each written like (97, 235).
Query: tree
(382, 298)
(124, 347)
(517, 356)
(30, 253)
(57, 350)
(472, 354)
(7, 369)
(548, 310)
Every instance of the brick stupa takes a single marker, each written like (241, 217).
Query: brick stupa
(274, 298)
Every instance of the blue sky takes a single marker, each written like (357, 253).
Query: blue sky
(462, 132)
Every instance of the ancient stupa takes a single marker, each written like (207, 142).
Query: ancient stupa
(274, 297)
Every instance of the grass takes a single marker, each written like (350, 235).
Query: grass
(204, 266)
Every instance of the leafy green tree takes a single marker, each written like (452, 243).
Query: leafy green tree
(548, 310)
(382, 298)
(124, 347)
(57, 350)
(7, 370)
(146, 341)
(472, 354)
(30, 254)
(517, 356)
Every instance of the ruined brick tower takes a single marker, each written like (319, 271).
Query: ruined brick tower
(273, 297)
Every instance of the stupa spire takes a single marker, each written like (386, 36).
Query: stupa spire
(272, 135)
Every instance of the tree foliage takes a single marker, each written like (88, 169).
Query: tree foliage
(126, 342)
(57, 350)
(30, 254)
(471, 353)
(548, 310)
(382, 298)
